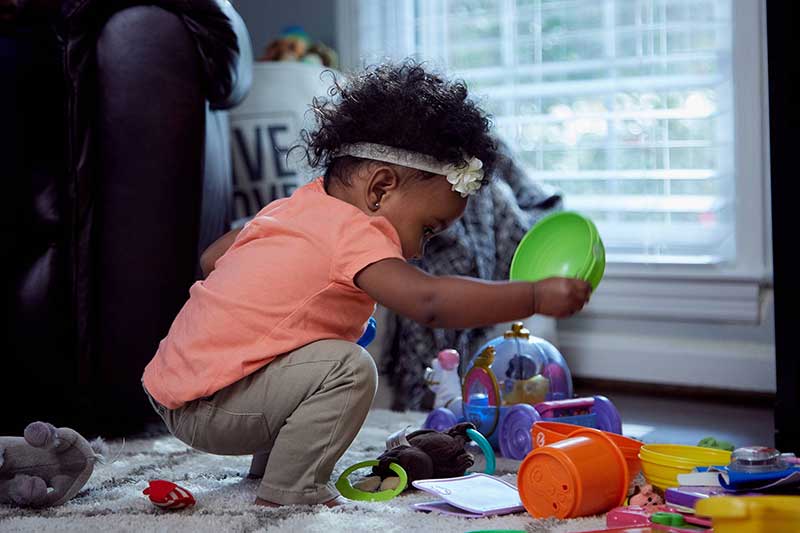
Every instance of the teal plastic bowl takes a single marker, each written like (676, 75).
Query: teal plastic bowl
(564, 244)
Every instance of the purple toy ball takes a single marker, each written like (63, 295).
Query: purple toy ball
(440, 419)
(608, 418)
(514, 435)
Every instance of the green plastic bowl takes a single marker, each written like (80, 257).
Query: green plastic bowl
(564, 244)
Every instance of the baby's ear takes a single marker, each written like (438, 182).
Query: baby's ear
(382, 182)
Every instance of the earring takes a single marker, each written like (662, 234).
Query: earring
(377, 205)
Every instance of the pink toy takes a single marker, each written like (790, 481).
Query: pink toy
(448, 359)
(641, 516)
(645, 496)
(442, 378)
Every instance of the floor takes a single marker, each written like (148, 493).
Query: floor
(112, 499)
(686, 421)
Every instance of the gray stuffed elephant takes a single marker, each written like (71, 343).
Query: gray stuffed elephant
(47, 466)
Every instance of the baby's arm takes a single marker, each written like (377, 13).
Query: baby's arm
(460, 302)
(209, 258)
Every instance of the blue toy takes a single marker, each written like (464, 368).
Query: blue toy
(514, 381)
(756, 468)
(369, 333)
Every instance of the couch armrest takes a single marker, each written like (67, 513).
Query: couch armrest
(149, 142)
(242, 71)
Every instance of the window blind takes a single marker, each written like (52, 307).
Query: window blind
(624, 105)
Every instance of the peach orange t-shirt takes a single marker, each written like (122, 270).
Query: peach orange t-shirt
(285, 282)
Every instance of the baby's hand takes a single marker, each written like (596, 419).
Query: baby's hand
(560, 297)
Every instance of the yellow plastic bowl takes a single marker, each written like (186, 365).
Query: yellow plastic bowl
(752, 514)
(661, 463)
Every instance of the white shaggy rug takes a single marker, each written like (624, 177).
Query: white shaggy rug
(112, 500)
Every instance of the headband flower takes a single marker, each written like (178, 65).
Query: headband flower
(466, 179)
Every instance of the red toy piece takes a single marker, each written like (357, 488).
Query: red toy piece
(168, 495)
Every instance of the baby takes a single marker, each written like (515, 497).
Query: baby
(262, 358)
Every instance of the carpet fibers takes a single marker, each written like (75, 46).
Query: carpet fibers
(112, 500)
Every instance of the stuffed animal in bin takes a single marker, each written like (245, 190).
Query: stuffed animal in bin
(429, 455)
(46, 466)
(322, 54)
(294, 44)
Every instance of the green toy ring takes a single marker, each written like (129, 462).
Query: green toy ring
(485, 447)
(348, 491)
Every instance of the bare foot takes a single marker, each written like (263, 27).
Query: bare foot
(266, 503)
(336, 502)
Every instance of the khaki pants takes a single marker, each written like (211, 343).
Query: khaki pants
(297, 415)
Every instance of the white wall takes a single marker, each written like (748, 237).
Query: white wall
(706, 353)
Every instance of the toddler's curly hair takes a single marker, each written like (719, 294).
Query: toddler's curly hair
(403, 106)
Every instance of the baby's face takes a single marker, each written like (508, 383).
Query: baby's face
(425, 208)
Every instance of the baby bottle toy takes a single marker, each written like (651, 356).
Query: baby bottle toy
(515, 380)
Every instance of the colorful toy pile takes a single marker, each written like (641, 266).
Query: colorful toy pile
(577, 472)
(517, 391)
(512, 382)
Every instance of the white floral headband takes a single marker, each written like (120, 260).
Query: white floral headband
(465, 178)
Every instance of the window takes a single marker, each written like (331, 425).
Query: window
(625, 105)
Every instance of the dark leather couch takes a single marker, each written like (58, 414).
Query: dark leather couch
(116, 173)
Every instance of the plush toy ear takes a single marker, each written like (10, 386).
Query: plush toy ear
(23, 490)
(41, 435)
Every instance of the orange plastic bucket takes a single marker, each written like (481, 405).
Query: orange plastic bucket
(545, 432)
(630, 450)
(582, 475)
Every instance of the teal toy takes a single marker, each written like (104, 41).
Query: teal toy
(564, 244)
